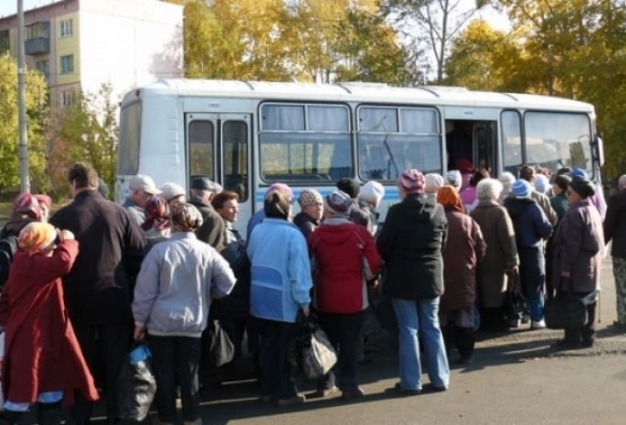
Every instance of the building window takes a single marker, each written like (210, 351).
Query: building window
(43, 67)
(5, 42)
(67, 98)
(65, 28)
(38, 30)
(67, 64)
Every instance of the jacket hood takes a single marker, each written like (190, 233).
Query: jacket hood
(423, 207)
(516, 205)
(337, 230)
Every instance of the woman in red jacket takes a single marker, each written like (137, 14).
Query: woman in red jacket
(43, 363)
(344, 258)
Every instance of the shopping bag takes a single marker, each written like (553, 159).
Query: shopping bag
(136, 384)
(318, 356)
(221, 348)
(514, 302)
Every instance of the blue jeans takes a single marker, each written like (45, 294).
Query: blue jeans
(422, 316)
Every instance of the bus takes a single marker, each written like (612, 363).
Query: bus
(246, 135)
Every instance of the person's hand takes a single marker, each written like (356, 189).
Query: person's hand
(65, 235)
(565, 274)
(373, 284)
(140, 332)
(306, 311)
(510, 270)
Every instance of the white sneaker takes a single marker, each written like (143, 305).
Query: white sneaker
(538, 325)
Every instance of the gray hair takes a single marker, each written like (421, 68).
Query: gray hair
(489, 189)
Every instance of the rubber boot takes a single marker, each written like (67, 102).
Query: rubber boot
(464, 340)
(49, 413)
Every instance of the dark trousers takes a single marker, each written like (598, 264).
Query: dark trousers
(585, 333)
(344, 333)
(532, 272)
(176, 361)
(114, 340)
(275, 376)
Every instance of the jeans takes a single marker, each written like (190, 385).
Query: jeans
(343, 331)
(532, 271)
(275, 376)
(176, 358)
(420, 316)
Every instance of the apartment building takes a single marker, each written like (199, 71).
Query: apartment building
(82, 44)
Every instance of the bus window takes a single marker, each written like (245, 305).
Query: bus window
(388, 145)
(305, 143)
(130, 134)
(555, 140)
(201, 148)
(512, 158)
(235, 146)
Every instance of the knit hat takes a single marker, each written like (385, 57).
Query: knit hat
(582, 186)
(507, 179)
(579, 172)
(449, 198)
(542, 183)
(170, 191)
(36, 236)
(432, 182)
(157, 214)
(521, 189)
(349, 186)
(27, 203)
(310, 197)
(281, 187)
(455, 179)
(186, 217)
(412, 181)
(277, 205)
(338, 203)
(372, 192)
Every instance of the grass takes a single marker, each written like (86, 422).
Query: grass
(5, 210)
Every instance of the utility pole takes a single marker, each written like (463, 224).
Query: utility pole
(21, 100)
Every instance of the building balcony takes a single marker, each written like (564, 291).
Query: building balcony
(37, 46)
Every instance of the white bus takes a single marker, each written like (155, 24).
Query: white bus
(248, 135)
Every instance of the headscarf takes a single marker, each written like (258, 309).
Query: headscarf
(36, 236)
(412, 181)
(185, 217)
(433, 182)
(449, 198)
(157, 214)
(27, 203)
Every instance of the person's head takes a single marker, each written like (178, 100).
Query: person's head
(37, 237)
(411, 181)
(564, 170)
(277, 204)
(185, 217)
(477, 176)
(82, 176)
(579, 189)
(561, 182)
(372, 193)
(507, 179)
(454, 179)
(527, 173)
(449, 198)
(173, 193)
(27, 204)
(621, 183)
(311, 203)
(226, 204)
(204, 188)
(488, 190)
(142, 188)
(432, 183)
(157, 214)
(337, 204)
(521, 189)
(349, 186)
(45, 203)
(283, 188)
(578, 172)
(464, 165)
(542, 183)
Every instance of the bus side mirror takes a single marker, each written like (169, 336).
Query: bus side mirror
(599, 151)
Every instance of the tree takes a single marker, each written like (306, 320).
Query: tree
(36, 94)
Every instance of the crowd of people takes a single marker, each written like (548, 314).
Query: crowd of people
(94, 276)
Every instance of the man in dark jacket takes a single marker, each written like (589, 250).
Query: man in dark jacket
(212, 230)
(411, 243)
(615, 230)
(97, 290)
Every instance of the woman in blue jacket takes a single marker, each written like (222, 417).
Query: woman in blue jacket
(281, 284)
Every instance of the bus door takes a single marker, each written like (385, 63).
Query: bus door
(219, 148)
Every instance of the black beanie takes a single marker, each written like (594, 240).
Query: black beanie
(582, 186)
(562, 182)
(349, 186)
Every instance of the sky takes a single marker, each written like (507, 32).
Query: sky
(9, 7)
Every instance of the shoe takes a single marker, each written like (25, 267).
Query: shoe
(564, 344)
(463, 361)
(404, 392)
(525, 319)
(269, 398)
(430, 388)
(291, 401)
(514, 323)
(325, 392)
(538, 325)
(351, 395)
(587, 343)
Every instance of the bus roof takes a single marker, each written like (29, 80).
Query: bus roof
(354, 92)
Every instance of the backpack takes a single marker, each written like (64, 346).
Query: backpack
(8, 248)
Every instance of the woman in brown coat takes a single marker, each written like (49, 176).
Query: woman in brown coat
(501, 256)
(578, 257)
(459, 274)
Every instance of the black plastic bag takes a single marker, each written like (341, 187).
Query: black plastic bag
(221, 348)
(136, 385)
(514, 302)
(309, 351)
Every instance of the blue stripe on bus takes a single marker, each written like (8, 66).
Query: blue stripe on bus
(391, 193)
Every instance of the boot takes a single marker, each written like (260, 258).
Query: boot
(49, 413)
(10, 417)
(464, 340)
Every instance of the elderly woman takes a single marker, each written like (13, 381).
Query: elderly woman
(26, 208)
(157, 224)
(345, 257)
(559, 201)
(370, 197)
(529, 174)
(460, 259)
(43, 362)
(577, 259)
(311, 204)
(507, 179)
(280, 289)
(468, 194)
(411, 243)
(177, 281)
(501, 255)
(432, 183)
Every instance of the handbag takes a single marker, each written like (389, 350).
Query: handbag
(221, 348)
(513, 299)
(565, 310)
